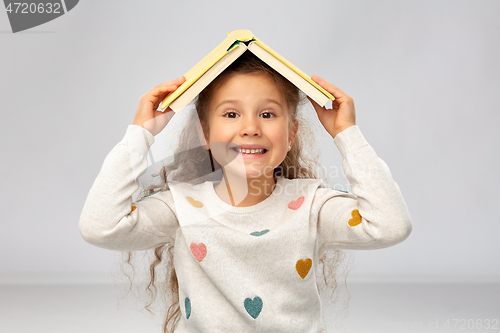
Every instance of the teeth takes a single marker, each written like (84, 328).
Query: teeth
(249, 151)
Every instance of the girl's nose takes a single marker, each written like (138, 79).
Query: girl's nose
(250, 126)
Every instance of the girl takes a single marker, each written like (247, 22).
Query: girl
(249, 241)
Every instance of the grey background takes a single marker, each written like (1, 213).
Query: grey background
(424, 76)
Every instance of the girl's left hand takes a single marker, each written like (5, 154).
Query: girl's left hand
(342, 114)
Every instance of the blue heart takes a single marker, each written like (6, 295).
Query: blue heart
(259, 233)
(253, 307)
(187, 304)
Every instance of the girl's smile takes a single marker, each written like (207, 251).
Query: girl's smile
(250, 151)
(249, 119)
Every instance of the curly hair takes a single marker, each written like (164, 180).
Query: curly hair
(191, 165)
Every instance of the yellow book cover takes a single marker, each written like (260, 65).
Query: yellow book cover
(220, 51)
(207, 62)
(293, 68)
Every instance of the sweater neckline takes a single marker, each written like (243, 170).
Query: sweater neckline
(271, 199)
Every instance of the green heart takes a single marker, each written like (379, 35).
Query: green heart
(259, 233)
(253, 307)
(187, 304)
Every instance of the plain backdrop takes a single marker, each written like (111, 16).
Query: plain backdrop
(424, 75)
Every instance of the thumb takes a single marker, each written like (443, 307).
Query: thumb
(163, 118)
(158, 123)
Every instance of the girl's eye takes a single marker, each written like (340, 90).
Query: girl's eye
(234, 113)
(269, 113)
(225, 114)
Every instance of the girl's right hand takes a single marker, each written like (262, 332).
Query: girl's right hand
(147, 115)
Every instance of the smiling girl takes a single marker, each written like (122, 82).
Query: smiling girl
(242, 250)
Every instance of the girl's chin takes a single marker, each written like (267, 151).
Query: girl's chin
(250, 173)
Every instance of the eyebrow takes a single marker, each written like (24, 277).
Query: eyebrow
(226, 101)
(234, 101)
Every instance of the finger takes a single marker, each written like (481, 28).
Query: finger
(158, 94)
(167, 86)
(178, 81)
(324, 82)
(162, 93)
(181, 79)
(335, 91)
(163, 89)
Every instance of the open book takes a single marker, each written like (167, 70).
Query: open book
(237, 42)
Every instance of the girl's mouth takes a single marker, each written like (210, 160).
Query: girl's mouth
(250, 153)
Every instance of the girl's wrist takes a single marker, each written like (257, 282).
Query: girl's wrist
(342, 129)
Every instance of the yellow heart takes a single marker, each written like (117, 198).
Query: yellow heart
(133, 208)
(303, 267)
(356, 218)
(195, 203)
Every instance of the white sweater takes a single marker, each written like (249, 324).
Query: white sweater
(246, 269)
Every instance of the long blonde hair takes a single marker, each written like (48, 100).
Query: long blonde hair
(193, 164)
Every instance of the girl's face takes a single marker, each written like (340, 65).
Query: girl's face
(249, 111)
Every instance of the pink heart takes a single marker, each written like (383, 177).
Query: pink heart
(199, 250)
(295, 204)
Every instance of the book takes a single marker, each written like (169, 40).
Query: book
(235, 44)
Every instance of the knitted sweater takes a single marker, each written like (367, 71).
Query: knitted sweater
(246, 269)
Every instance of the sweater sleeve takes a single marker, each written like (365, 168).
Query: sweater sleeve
(110, 219)
(375, 214)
